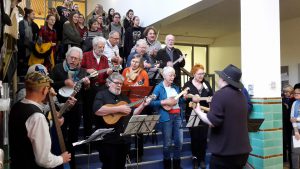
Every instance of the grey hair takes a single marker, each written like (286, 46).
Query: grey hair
(112, 33)
(98, 39)
(74, 48)
(113, 76)
(167, 70)
(169, 35)
(141, 42)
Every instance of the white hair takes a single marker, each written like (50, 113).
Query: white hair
(113, 76)
(98, 39)
(141, 42)
(74, 48)
(167, 70)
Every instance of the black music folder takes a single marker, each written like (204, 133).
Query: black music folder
(254, 124)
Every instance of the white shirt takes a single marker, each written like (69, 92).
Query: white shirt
(297, 124)
(96, 57)
(110, 51)
(171, 92)
(38, 133)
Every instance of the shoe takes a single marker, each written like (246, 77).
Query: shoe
(202, 165)
(167, 163)
(195, 163)
(176, 164)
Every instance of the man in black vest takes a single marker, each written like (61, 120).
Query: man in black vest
(229, 141)
(29, 136)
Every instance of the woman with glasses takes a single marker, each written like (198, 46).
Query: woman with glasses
(198, 87)
(170, 119)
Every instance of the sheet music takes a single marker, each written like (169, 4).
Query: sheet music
(141, 124)
(97, 135)
(296, 143)
(193, 120)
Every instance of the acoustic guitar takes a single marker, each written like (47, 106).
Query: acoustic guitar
(169, 107)
(115, 117)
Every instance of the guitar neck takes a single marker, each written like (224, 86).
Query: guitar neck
(135, 103)
(179, 95)
(57, 125)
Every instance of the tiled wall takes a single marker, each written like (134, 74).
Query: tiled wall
(267, 142)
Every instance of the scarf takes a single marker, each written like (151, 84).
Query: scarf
(296, 108)
(72, 73)
(131, 75)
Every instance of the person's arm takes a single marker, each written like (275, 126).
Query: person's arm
(202, 115)
(38, 133)
(145, 77)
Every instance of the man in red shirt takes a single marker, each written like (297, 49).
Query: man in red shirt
(94, 60)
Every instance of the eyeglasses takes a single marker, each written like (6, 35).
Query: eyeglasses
(117, 83)
(74, 58)
(201, 74)
(297, 93)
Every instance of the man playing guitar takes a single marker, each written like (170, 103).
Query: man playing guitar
(114, 148)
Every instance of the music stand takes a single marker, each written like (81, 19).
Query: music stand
(136, 92)
(96, 136)
(194, 120)
(254, 124)
(140, 124)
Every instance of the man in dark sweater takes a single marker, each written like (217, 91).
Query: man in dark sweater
(229, 141)
(171, 56)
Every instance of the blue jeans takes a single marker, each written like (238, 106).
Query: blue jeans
(171, 131)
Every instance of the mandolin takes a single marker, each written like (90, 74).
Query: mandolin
(169, 107)
(115, 117)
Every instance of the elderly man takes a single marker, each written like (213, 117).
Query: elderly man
(114, 148)
(29, 136)
(141, 49)
(228, 119)
(92, 61)
(168, 55)
(111, 49)
(68, 74)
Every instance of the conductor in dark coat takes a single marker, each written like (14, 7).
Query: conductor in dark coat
(229, 140)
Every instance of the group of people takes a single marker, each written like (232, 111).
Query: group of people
(119, 56)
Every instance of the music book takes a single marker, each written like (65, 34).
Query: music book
(296, 143)
(254, 124)
(97, 135)
(141, 124)
(194, 120)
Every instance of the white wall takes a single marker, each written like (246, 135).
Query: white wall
(290, 48)
(148, 12)
(225, 50)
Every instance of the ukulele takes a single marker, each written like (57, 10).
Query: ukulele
(169, 107)
(115, 117)
(193, 104)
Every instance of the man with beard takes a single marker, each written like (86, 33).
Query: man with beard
(29, 136)
(114, 148)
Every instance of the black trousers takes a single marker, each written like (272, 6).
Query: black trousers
(199, 141)
(228, 162)
(113, 156)
(88, 114)
(70, 130)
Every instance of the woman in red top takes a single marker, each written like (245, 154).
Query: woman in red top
(135, 75)
(47, 38)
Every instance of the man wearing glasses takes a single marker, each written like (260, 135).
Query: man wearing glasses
(114, 148)
(68, 74)
(29, 136)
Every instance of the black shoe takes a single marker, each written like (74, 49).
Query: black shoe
(176, 164)
(167, 163)
(202, 165)
(195, 163)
